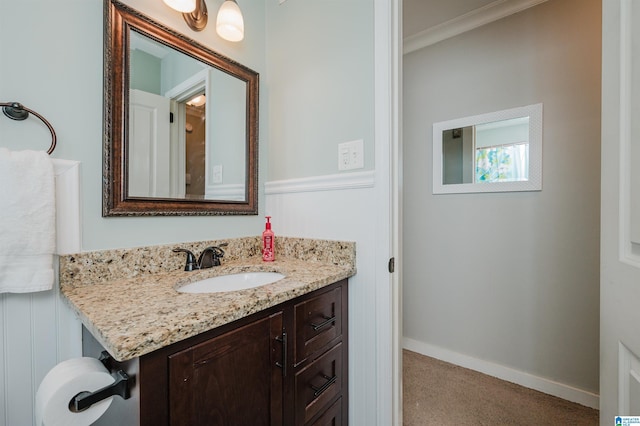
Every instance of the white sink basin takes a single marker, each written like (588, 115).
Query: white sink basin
(231, 282)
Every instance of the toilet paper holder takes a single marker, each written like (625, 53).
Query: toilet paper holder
(121, 386)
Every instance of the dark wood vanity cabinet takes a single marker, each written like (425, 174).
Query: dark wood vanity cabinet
(319, 355)
(229, 377)
(286, 365)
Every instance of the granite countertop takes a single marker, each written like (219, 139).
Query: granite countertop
(135, 310)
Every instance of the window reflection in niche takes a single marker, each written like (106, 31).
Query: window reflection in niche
(502, 150)
(503, 163)
(516, 132)
(491, 152)
(195, 151)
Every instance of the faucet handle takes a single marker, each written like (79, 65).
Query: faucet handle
(191, 259)
(211, 256)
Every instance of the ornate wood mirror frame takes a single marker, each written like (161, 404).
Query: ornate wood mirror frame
(120, 20)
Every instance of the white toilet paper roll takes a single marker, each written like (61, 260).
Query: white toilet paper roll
(63, 382)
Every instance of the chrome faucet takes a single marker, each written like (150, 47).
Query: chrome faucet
(209, 257)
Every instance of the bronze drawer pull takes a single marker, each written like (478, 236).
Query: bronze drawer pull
(323, 324)
(330, 381)
(283, 365)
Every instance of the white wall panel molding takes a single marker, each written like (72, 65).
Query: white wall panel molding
(522, 378)
(342, 215)
(68, 229)
(38, 330)
(234, 192)
(476, 18)
(341, 181)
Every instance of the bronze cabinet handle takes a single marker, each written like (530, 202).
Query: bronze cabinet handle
(321, 389)
(283, 365)
(328, 320)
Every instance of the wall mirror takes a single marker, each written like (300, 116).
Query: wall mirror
(496, 152)
(180, 123)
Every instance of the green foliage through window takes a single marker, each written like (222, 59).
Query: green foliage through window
(503, 163)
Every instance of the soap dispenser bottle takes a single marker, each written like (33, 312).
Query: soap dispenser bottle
(268, 254)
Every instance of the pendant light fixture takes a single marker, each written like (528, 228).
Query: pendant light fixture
(230, 23)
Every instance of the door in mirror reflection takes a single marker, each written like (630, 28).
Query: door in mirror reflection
(149, 146)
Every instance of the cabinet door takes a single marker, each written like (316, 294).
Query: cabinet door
(229, 380)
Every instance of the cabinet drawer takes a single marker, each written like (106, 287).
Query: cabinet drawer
(318, 384)
(331, 417)
(318, 321)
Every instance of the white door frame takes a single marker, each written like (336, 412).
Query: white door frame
(179, 95)
(388, 63)
(396, 206)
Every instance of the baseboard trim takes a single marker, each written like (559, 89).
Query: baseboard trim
(508, 374)
(355, 180)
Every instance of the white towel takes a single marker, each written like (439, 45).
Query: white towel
(27, 221)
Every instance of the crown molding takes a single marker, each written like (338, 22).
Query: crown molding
(463, 23)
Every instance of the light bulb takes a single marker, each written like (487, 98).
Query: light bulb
(230, 24)
(184, 6)
(198, 101)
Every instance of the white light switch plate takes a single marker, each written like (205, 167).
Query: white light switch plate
(351, 155)
(217, 173)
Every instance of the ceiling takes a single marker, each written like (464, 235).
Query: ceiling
(418, 15)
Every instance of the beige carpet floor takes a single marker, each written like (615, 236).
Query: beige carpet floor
(438, 393)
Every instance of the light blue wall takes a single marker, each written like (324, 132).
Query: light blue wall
(56, 69)
(321, 69)
(320, 60)
(176, 68)
(144, 72)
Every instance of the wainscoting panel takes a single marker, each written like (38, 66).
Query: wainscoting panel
(37, 330)
(340, 207)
